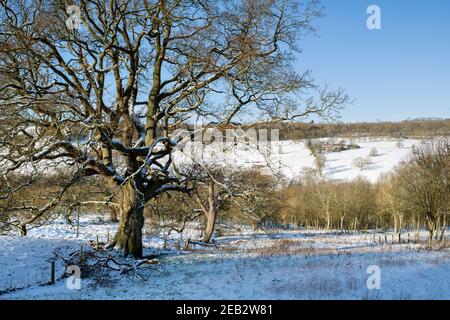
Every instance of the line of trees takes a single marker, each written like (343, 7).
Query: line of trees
(414, 196)
(408, 128)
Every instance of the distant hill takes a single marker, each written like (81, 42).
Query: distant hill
(427, 119)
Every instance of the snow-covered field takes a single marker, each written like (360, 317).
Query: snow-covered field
(293, 158)
(282, 264)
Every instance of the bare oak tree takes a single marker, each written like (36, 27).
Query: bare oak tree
(101, 98)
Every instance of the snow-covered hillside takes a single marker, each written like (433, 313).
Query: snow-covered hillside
(287, 158)
(293, 158)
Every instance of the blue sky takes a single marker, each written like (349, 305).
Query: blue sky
(401, 71)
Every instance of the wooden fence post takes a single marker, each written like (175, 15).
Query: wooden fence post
(53, 273)
(78, 223)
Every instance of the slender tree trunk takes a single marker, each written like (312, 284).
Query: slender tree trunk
(128, 238)
(210, 224)
(431, 230)
(395, 224)
(210, 212)
(438, 227)
(23, 230)
(417, 229)
(328, 222)
(444, 227)
(113, 214)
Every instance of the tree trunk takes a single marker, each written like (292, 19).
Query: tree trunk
(444, 227)
(128, 238)
(436, 228)
(113, 214)
(431, 230)
(23, 230)
(417, 229)
(210, 212)
(328, 219)
(210, 223)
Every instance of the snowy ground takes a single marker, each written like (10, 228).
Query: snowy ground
(294, 264)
